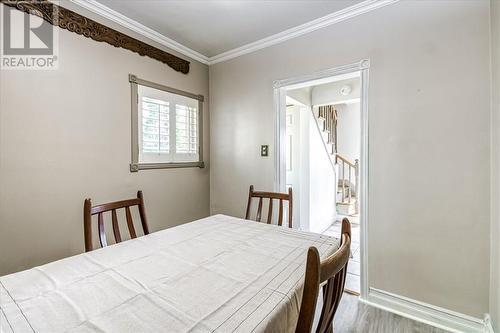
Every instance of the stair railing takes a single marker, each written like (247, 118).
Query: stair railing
(329, 152)
(352, 168)
(329, 114)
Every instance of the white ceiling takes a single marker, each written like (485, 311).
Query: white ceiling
(212, 27)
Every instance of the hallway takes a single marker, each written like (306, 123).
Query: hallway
(353, 268)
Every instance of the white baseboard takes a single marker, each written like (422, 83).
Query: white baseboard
(488, 327)
(426, 313)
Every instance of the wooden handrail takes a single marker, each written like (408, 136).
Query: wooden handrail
(329, 114)
(329, 153)
(347, 192)
(338, 157)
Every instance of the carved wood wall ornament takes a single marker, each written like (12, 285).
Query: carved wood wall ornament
(71, 21)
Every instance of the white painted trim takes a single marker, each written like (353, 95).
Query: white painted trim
(424, 312)
(124, 21)
(297, 82)
(280, 87)
(279, 137)
(364, 174)
(319, 23)
(488, 327)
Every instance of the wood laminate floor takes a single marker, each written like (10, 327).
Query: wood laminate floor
(355, 317)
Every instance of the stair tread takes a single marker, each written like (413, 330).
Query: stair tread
(353, 202)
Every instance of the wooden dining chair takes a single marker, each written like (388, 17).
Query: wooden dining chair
(333, 270)
(99, 210)
(271, 196)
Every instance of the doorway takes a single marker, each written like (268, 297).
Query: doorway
(321, 153)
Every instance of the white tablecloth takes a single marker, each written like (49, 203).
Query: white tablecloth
(218, 274)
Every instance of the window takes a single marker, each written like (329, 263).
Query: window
(166, 127)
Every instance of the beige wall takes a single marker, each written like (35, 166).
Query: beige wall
(65, 136)
(429, 115)
(495, 170)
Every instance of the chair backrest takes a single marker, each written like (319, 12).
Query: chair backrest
(333, 270)
(99, 210)
(271, 196)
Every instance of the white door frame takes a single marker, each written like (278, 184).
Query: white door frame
(280, 87)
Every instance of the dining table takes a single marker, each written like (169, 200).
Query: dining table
(216, 274)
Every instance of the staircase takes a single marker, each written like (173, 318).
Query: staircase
(347, 171)
(347, 186)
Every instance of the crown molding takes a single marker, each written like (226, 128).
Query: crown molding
(76, 23)
(126, 22)
(322, 22)
(325, 21)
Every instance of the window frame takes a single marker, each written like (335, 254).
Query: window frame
(135, 165)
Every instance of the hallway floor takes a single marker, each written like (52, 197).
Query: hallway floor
(353, 268)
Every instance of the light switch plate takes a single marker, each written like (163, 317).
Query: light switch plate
(264, 150)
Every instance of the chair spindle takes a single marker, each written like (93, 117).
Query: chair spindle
(116, 228)
(259, 210)
(99, 210)
(270, 212)
(102, 233)
(271, 196)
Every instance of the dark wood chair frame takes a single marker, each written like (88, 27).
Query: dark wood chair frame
(271, 196)
(99, 210)
(333, 271)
